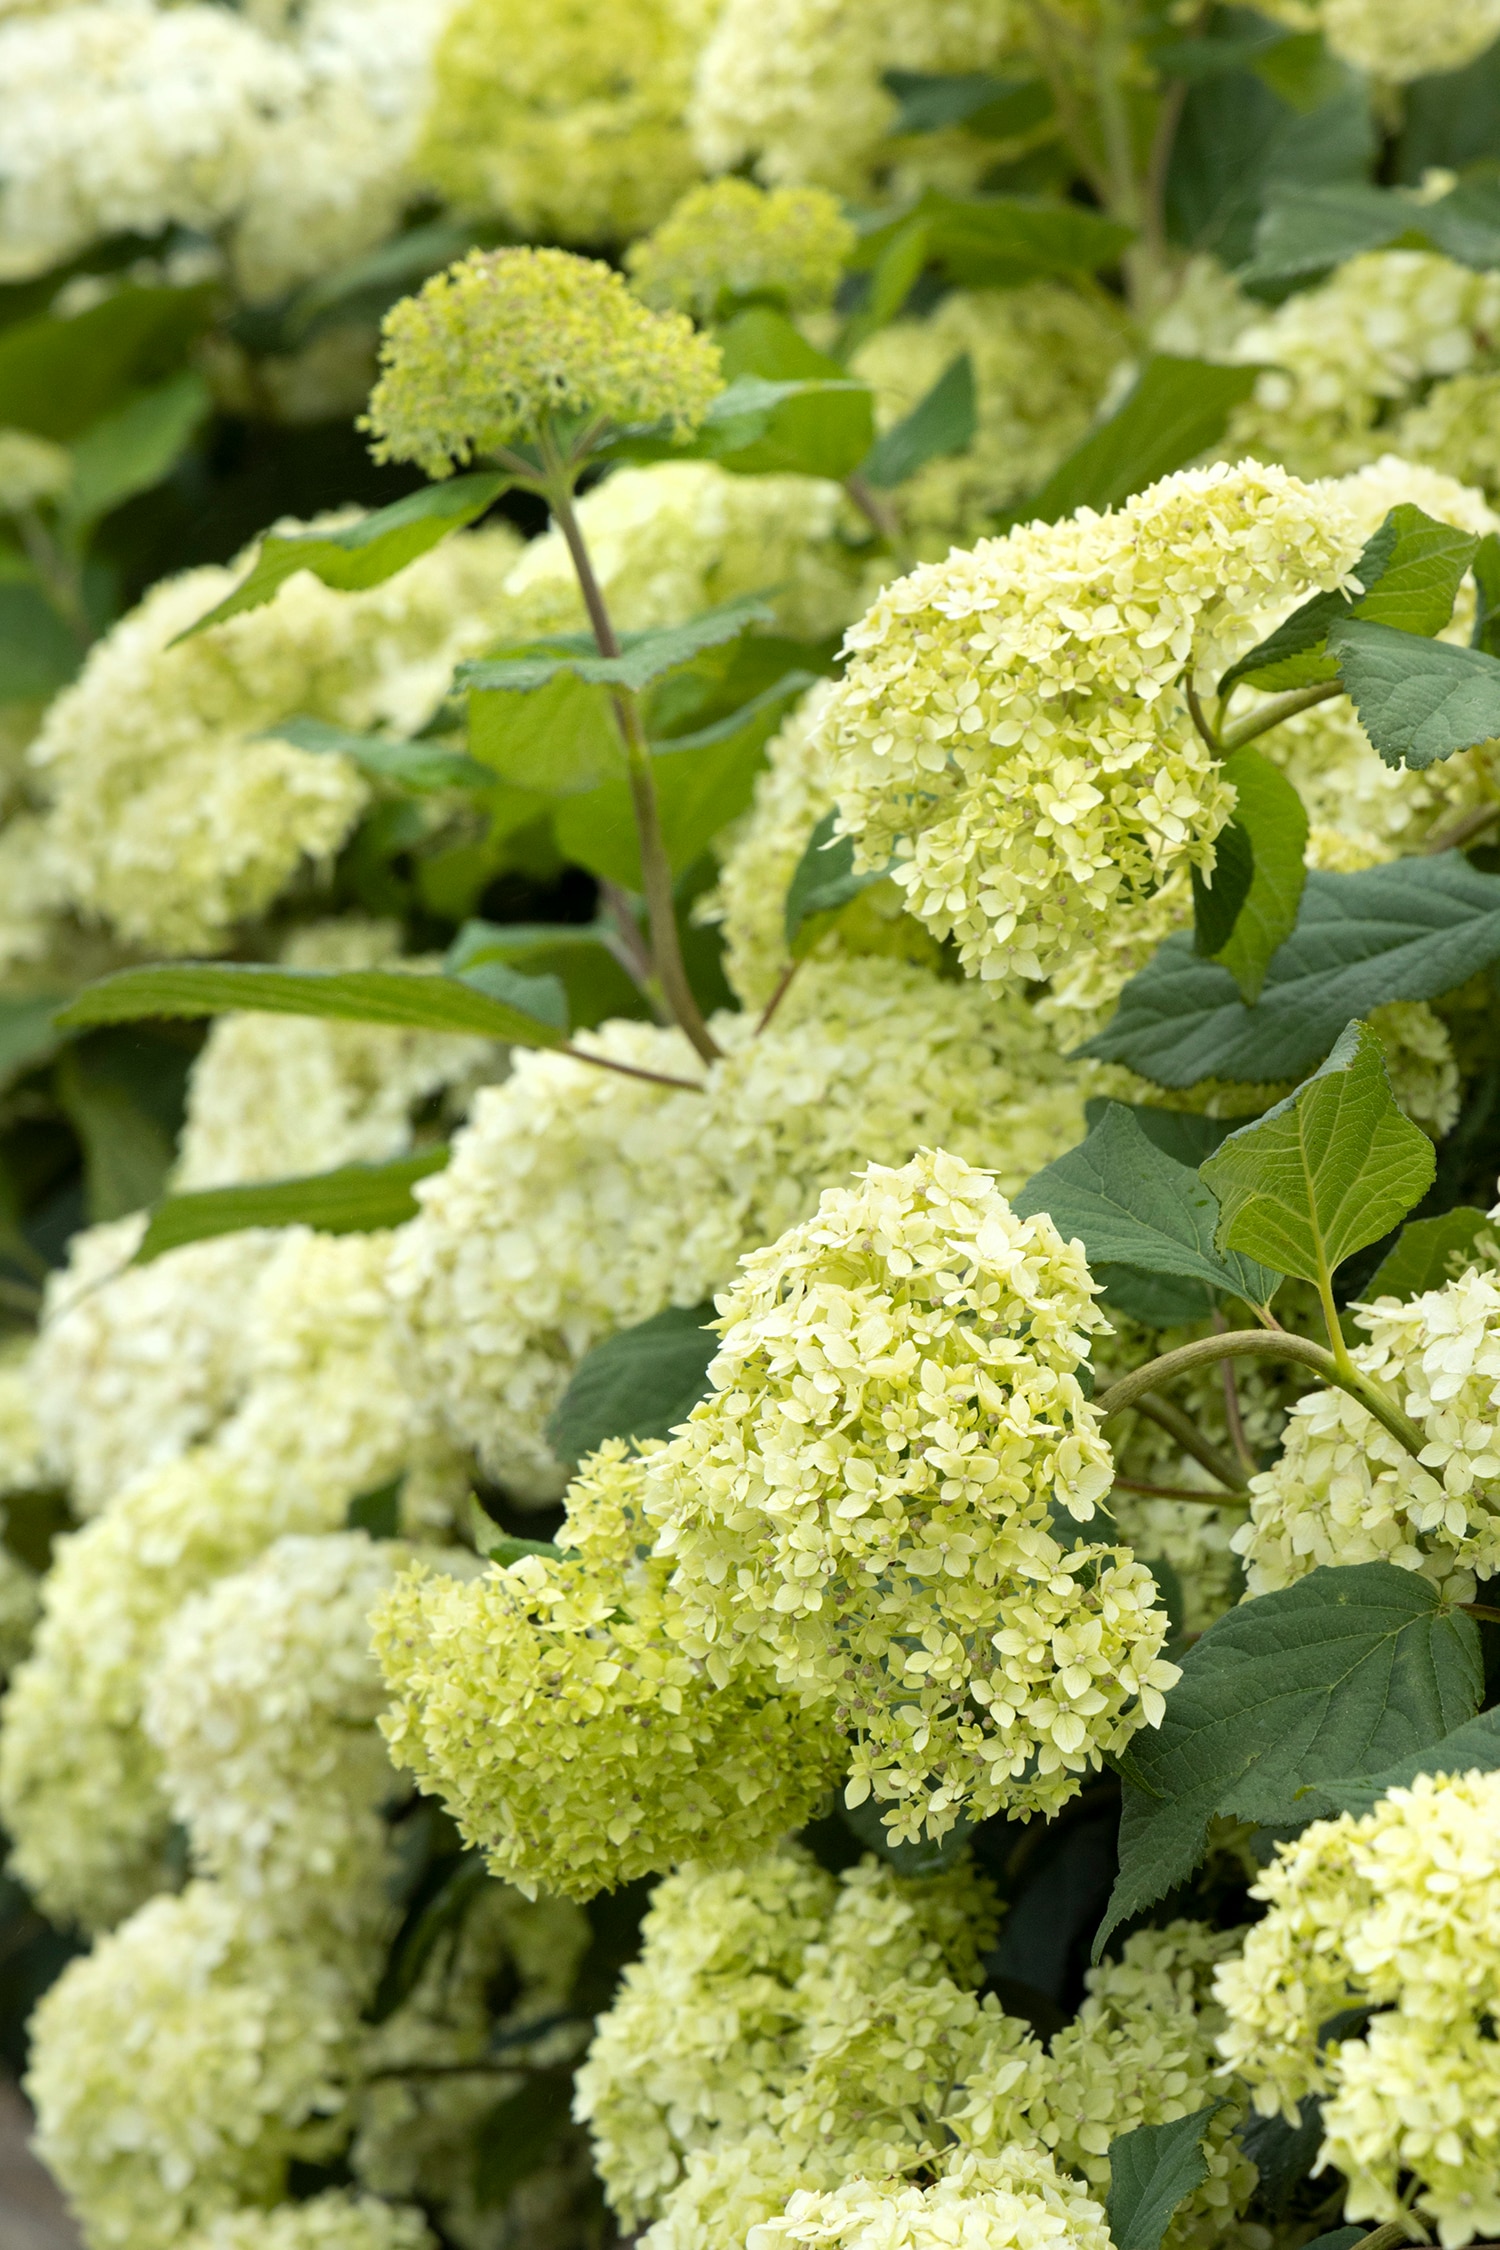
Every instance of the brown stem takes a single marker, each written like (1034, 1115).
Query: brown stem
(629, 1070)
(1481, 1609)
(1194, 1492)
(656, 868)
(1185, 1430)
(1457, 833)
(1256, 1343)
(783, 983)
(1271, 714)
(630, 949)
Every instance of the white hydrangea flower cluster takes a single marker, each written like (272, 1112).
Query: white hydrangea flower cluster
(1455, 428)
(866, 1499)
(336, 2220)
(1344, 1491)
(797, 86)
(273, 1096)
(578, 1201)
(1042, 358)
(565, 121)
(262, 1706)
(172, 817)
(1013, 2201)
(1012, 722)
(1394, 41)
(133, 1364)
(1396, 1912)
(122, 119)
(679, 537)
(553, 1706)
(180, 2066)
(1339, 359)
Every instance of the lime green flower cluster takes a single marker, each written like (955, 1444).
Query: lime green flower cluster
(337, 2220)
(730, 239)
(867, 1499)
(492, 350)
(1013, 2201)
(1398, 1912)
(554, 1707)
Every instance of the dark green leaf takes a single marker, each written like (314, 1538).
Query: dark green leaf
(1340, 2238)
(703, 781)
(822, 885)
(1239, 139)
(528, 1010)
(1000, 242)
(997, 108)
(1132, 1205)
(439, 1910)
(502, 1548)
(1210, 56)
(1429, 1253)
(1217, 900)
(1305, 231)
(1150, 2171)
(943, 422)
(1418, 701)
(1452, 119)
(1342, 1673)
(131, 449)
(365, 554)
(1331, 1168)
(127, 1152)
(518, 2136)
(417, 766)
(353, 1199)
(38, 652)
(1272, 814)
(579, 955)
(1179, 1133)
(57, 377)
(638, 1384)
(1486, 633)
(1411, 569)
(1282, 2154)
(393, 269)
(378, 1512)
(1472, 1748)
(28, 1031)
(646, 656)
(1408, 931)
(1175, 410)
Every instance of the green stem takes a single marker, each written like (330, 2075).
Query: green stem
(1192, 1492)
(1256, 1343)
(656, 868)
(1271, 714)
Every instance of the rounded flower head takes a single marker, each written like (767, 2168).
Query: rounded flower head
(505, 340)
(553, 1708)
(1014, 2201)
(1398, 1912)
(731, 239)
(1013, 723)
(869, 1498)
(1391, 38)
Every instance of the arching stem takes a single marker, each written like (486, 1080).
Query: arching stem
(1256, 1343)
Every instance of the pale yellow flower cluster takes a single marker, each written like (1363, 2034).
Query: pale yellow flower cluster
(1344, 1490)
(1393, 40)
(336, 2220)
(1013, 2201)
(867, 1499)
(555, 1709)
(1396, 1913)
(1012, 722)
(730, 239)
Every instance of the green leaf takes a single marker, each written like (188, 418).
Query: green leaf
(528, 1010)
(1217, 903)
(1472, 1748)
(132, 449)
(1175, 410)
(703, 781)
(1283, 2154)
(1151, 2170)
(1410, 568)
(352, 1199)
(751, 425)
(28, 1031)
(579, 955)
(127, 1152)
(646, 656)
(1132, 1205)
(559, 737)
(448, 1891)
(1486, 567)
(58, 377)
(822, 885)
(638, 1384)
(1180, 1133)
(417, 766)
(1418, 701)
(1408, 931)
(1000, 242)
(500, 1546)
(1240, 138)
(824, 431)
(38, 654)
(367, 552)
(1270, 812)
(1342, 1673)
(1429, 1253)
(517, 2137)
(1324, 1172)
(996, 108)
(377, 1512)
(942, 422)
(1305, 231)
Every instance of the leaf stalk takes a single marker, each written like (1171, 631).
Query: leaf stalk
(1256, 1343)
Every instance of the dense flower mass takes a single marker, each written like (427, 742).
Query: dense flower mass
(553, 1707)
(1012, 723)
(730, 239)
(490, 352)
(868, 1498)
(1392, 40)
(1394, 1913)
